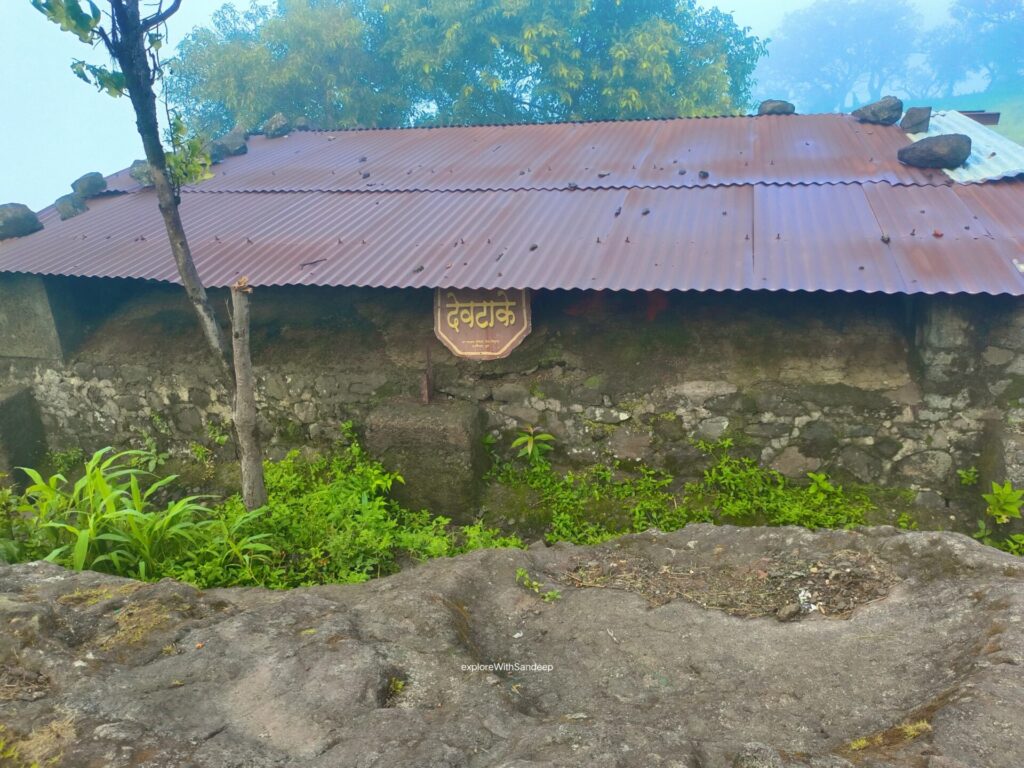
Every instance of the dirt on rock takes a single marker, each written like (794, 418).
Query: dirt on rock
(783, 586)
(894, 650)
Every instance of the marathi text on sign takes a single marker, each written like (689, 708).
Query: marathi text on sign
(479, 314)
(481, 324)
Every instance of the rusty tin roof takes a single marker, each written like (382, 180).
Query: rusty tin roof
(816, 203)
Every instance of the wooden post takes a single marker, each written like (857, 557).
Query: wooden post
(254, 491)
(427, 381)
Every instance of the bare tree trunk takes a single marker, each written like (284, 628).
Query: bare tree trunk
(126, 43)
(129, 49)
(254, 493)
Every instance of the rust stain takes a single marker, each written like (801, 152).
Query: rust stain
(809, 203)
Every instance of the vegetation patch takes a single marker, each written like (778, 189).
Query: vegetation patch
(602, 501)
(135, 623)
(329, 519)
(896, 736)
(42, 747)
(90, 597)
(21, 684)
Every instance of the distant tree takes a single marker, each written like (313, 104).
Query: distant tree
(133, 41)
(986, 39)
(836, 54)
(399, 62)
(235, 35)
(539, 61)
(310, 59)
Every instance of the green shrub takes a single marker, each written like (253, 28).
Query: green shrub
(329, 519)
(601, 502)
(106, 520)
(737, 490)
(1004, 502)
(968, 476)
(1003, 505)
(533, 444)
(65, 462)
(9, 548)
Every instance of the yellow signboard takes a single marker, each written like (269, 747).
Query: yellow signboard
(481, 324)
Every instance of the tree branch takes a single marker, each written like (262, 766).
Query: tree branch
(106, 39)
(160, 17)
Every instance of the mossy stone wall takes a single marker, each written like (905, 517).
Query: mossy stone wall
(885, 390)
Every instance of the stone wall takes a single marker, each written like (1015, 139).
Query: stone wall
(34, 318)
(22, 443)
(892, 391)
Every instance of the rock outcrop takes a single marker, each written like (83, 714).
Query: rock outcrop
(17, 220)
(709, 646)
(950, 150)
(775, 107)
(885, 111)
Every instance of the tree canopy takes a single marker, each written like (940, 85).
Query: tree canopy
(986, 37)
(401, 62)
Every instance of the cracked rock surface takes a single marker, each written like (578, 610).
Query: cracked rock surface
(645, 652)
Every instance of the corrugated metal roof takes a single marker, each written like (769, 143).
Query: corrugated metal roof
(734, 237)
(789, 203)
(807, 149)
(993, 156)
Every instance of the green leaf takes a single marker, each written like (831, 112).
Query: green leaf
(81, 550)
(111, 82)
(71, 17)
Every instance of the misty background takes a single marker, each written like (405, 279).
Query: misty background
(823, 55)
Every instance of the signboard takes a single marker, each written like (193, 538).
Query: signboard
(481, 324)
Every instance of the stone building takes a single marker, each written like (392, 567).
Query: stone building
(782, 280)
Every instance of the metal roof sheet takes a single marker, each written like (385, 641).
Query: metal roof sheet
(998, 207)
(816, 202)
(805, 149)
(733, 237)
(993, 156)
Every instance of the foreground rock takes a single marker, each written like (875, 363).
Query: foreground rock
(950, 150)
(885, 111)
(664, 650)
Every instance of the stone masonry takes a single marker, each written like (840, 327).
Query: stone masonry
(888, 391)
